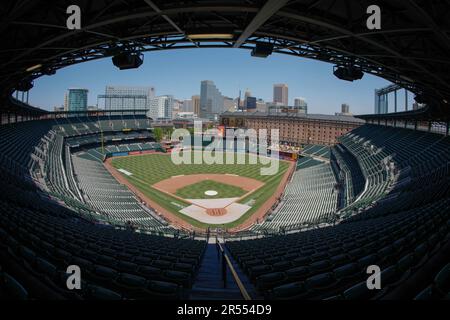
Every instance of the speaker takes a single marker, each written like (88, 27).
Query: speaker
(348, 73)
(262, 50)
(125, 61)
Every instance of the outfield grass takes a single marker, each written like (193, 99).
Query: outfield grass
(197, 190)
(149, 169)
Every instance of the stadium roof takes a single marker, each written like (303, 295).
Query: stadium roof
(412, 48)
(322, 117)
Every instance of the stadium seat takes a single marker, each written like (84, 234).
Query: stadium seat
(11, 289)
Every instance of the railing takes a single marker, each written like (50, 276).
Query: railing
(226, 261)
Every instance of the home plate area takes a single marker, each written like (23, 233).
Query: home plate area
(215, 211)
(207, 204)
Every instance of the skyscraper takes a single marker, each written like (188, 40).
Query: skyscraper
(161, 107)
(251, 103)
(77, 99)
(196, 104)
(247, 94)
(127, 98)
(211, 100)
(187, 106)
(345, 108)
(281, 94)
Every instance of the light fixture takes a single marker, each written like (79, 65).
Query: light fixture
(204, 36)
(32, 68)
(212, 33)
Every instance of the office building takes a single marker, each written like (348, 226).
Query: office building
(196, 104)
(127, 98)
(301, 105)
(251, 103)
(261, 106)
(161, 107)
(77, 99)
(345, 110)
(211, 100)
(187, 106)
(281, 94)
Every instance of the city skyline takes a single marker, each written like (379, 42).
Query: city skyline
(184, 70)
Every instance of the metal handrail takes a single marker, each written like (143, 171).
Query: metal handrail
(226, 261)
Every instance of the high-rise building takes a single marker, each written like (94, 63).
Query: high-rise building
(196, 104)
(345, 108)
(66, 101)
(251, 103)
(211, 100)
(187, 106)
(301, 105)
(177, 107)
(229, 104)
(247, 94)
(161, 107)
(127, 98)
(77, 99)
(281, 94)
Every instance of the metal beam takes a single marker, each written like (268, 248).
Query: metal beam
(158, 11)
(440, 34)
(398, 55)
(266, 12)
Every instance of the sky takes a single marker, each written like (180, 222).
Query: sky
(179, 73)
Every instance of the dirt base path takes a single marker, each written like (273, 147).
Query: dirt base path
(174, 183)
(178, 222)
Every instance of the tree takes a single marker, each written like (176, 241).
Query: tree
(157, 132)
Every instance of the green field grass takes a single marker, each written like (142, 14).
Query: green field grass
(197, 190)
(149, 169)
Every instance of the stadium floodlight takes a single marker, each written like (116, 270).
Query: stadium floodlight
(128, 60)
(205, 34)
(35, 67)
(262, 50)
(348, 73)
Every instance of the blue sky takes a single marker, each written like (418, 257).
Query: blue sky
(179, 72)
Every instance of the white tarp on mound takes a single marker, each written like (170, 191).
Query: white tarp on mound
(234, 212)
(213, 203)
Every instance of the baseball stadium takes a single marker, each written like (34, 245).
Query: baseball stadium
(97, 191)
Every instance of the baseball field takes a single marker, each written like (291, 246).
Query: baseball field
(176, 189)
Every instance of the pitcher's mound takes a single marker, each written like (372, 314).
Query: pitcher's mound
(211, 193)
(216, 212)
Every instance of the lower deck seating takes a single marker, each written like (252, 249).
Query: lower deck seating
(104, 193)
(37, 246)
(332, 262)
(308, 198)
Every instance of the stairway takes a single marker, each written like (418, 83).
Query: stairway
(209, 284)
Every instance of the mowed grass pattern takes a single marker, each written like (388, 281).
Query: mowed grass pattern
(197, 190)
(149, 169)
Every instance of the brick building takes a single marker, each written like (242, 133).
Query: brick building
(295, 128)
